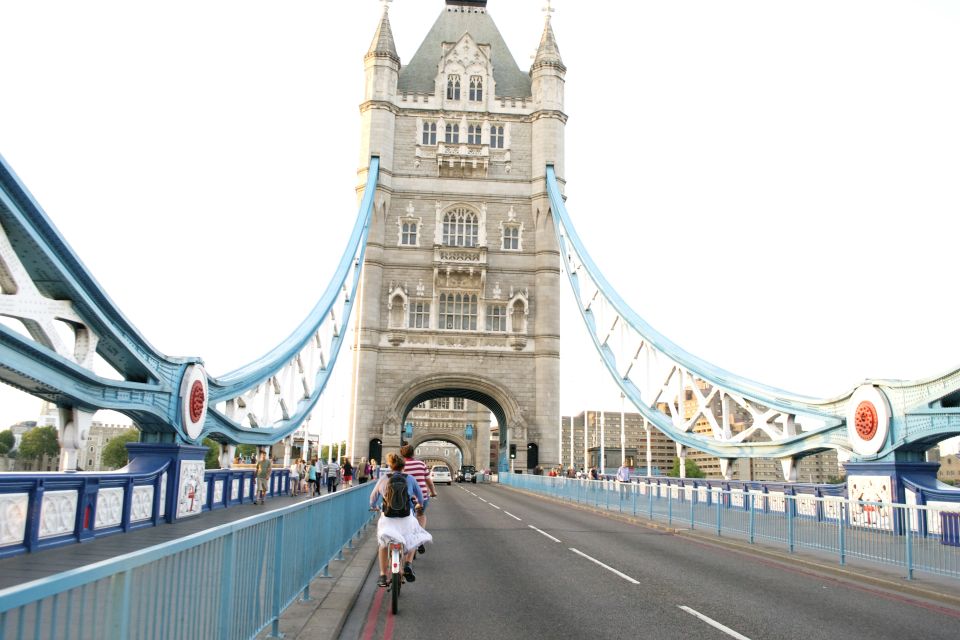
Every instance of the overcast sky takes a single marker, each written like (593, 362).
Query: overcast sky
(771, 184)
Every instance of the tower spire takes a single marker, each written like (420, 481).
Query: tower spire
(383, 44)
(548, 53)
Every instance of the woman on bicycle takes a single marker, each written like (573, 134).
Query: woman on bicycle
(393, 526)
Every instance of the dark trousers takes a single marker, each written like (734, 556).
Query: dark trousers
(331, 485)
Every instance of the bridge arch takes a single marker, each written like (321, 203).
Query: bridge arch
(484, 391)
(465, 449)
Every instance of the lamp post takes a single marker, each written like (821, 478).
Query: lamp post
(603, 435)
(623, 433)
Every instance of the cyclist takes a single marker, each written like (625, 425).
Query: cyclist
(405, 529)
(418, 469)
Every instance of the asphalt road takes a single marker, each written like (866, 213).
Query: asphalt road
(510, 565)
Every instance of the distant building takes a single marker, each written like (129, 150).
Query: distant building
(100, 435)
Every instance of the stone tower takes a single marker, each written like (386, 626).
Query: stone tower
(460, 286)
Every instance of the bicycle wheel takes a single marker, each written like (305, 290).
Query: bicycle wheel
(395, 593)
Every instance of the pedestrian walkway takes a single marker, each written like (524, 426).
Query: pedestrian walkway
(33, 566)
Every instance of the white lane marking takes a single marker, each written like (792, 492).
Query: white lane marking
(493, 505)
(483, 500)
(713, 623)
(512, 516)
(608, 568)
(542, 532)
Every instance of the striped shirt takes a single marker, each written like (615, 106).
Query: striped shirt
(418, 470)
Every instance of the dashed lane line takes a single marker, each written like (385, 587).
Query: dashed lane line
(607, 567)
(543, 533)
(512, 516)
(713, 623)
(484, 500)
(493, 505)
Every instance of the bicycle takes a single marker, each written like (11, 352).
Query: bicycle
(396, 576)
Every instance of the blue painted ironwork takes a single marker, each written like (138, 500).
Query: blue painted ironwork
(231, 581)
(795, 516)
(89, 486)
(921, 412)
(150, 392)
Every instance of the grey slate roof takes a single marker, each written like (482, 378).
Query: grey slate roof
(420, 74)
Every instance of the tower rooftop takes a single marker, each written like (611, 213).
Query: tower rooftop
(459, 17)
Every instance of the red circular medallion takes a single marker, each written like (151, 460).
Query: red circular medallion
(197, 401)
(865, 420)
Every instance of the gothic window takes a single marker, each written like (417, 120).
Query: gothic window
(453, 87)
(458, 311)
(458, 404)
(497, 318)
(419, 315)
(476, 88)
(440, 403)
(408, 234)
(473, 134)
(460, 229)
(496, 136)
(452, 135)
(511, 237)
(430, 133)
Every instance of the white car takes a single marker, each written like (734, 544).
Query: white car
(441, 473)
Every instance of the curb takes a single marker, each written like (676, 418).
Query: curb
(331, 597)
(841, 572)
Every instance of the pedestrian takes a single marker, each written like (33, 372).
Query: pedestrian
(295, 478)
(347, 472)
(363, 471)
(313, 477)
(374, 470)
(264, 467)
(333, 476)
(304, 486)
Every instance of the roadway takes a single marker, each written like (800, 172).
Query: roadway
(505, 564)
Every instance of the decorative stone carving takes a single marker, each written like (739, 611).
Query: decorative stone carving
(218, 492)
(13, 517)
(141, 506)
(109, 507)
(190, 492)
(391, 426)
(235, 489)
(497, 292)
(58, 513)
(163, 494)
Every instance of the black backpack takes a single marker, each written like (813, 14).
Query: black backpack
(396, 499)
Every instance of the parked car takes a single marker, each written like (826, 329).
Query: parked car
(467, 473)
(441, 473)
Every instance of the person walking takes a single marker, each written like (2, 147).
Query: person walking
(418, 469)
(264, 467)
(295, 478)
(312, 475)
(363, 471)
(333, 476)
(347, 472)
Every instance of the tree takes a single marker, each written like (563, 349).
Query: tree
(246, 451)
(693, 471)
(6, 442)
(212, 459)
(115, 451)
(39, 442)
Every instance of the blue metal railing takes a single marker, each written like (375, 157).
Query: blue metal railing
(229, 582)
(914, 537)
(46, 510)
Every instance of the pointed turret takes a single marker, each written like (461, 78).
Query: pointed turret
(548, 54)
(383, 44)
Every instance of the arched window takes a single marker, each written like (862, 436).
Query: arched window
(453, 87)
(408, 234)
(452, 134)
(458, 311)
(496, 136)
(473, 133)
(461, 228)
(419, 315)
(476, 88)
(429, 133)
(496, 317)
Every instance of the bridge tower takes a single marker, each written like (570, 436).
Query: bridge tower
(460, 289)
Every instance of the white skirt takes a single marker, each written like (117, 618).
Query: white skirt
(406, 530)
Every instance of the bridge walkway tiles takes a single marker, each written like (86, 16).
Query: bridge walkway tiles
(33, 566)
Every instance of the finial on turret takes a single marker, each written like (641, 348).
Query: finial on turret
(386, 5)
(548, 9)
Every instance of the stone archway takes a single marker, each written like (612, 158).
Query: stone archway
(465, 449)
(484, 391)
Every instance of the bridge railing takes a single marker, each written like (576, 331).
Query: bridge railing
(914, 537)
(46, 510)
(231, 581)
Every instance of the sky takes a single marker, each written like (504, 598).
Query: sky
(771, 184)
